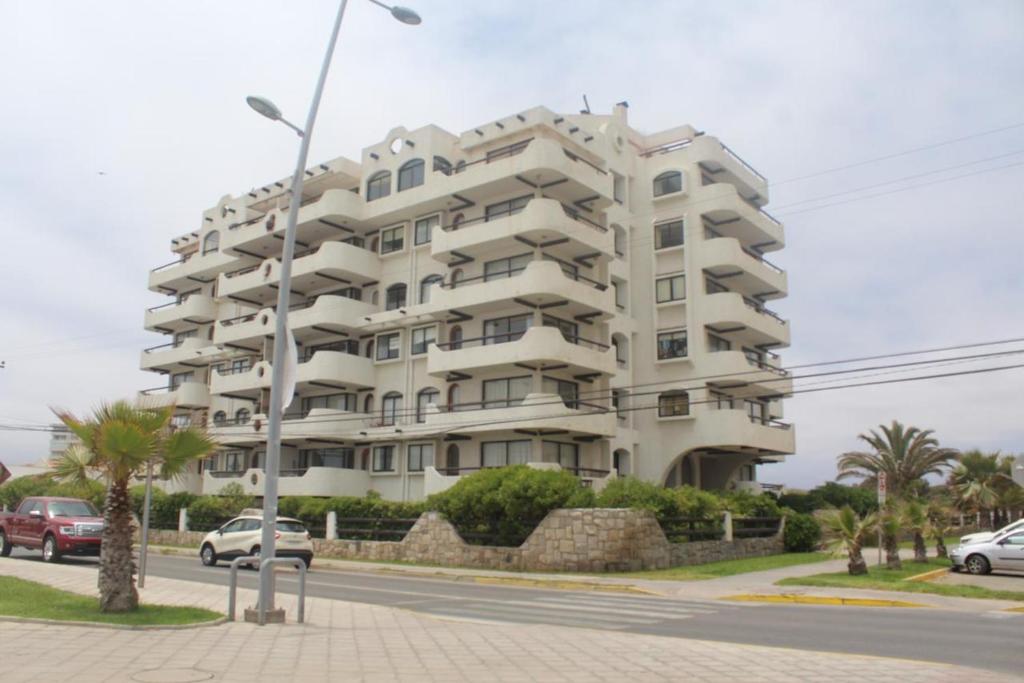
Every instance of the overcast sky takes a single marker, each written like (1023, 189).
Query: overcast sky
(152, 95)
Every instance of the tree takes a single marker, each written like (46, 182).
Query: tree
(938, 527)
(890, 522)
(848, 532)
(915, 519)
(117, 442)
(981, 482)
(905, 454)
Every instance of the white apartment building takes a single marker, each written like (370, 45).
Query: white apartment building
(553, 289)
(61, 439)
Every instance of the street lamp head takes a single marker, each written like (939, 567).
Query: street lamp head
(265, 107)
(405, 15)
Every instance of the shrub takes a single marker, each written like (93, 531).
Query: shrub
(802, 533)
(13, 492)
(206, 513)
(630, 492)
(504, 505)
(746, 504)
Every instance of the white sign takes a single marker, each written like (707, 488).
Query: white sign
(882, 488)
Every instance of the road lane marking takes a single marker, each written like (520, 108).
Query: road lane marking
(661, 612)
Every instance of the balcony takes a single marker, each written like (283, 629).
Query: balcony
(747, 271)
(328, 313)
(332, 216)
(185, 395)
(440, 479)
(189, 353)
(312, 481)
(744, 320)
(183, 274)
(330, 264)
(197, 309)
(727, 214)
(540, 283)
(325, 370)
(538, 347)
(536, 412)
(723, 165)
(733, 369)
(729, 429)
(187, 482)
(542, 222)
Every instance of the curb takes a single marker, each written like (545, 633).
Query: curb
(792, 598)
(117, 627)
(928, 576)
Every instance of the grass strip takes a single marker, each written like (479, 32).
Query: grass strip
(27, 599)
(714, 570)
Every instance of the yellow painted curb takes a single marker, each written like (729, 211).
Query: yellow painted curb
(928, 576)
(560, 585)
(792, 598)
(1014, 609)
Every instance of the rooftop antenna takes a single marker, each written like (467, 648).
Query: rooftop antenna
(586, 104)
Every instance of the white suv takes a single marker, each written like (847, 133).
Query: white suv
(241, 537)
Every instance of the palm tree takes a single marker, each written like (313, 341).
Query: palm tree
(915, 519)
(848, 532)
(981, 481)
(938, 527)
(118, 440)
(891, 523)
(905, 454)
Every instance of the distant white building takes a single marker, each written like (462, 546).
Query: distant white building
(61, 439)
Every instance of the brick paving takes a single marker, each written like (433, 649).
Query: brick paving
(345, 641)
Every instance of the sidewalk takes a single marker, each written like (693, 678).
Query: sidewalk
(352, 641)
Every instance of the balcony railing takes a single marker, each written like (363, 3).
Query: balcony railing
(237, 320)
(759, 307)
(738, 159)
(512, 272)
(505, 338)
(667, 147)
(576, 157)
(769, 422)
(173, 263)
(492, 156)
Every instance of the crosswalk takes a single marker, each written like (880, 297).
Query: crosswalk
(586, 610)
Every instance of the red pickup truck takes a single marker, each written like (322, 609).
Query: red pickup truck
(58, 526)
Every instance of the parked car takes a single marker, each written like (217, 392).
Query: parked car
(989, 535)
(242, 535)
(57, 526)
(981, 557)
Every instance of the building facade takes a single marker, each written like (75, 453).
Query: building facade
(558, 290)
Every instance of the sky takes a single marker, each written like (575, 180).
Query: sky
(122, 121)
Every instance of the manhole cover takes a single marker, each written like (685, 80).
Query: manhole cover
(172, 676)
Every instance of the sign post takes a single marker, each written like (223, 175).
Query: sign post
(1017, 468)
(882, 491)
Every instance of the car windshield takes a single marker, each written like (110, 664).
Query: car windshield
(291, 527)
(71, 508)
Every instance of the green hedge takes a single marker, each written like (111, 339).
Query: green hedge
(14, 491)
(802, 533)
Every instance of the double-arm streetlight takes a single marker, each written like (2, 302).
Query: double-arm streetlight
(278, 399)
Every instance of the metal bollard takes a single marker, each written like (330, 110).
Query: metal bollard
(269, 564)
(233, 583)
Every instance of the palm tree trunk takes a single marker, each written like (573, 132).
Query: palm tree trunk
(116, 576)
(920, 549)
(892, 552)
(856, 566)
(940, 547)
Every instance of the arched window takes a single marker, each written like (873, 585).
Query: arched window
(364, 459)
(211, 242)
(443, 165)
(451, 459)
(673, 404)
(425, 398)
(456, 277)
(375, 298)
(369, 349)
(667, 183)
(455, 338)
(379, 185)
(457, 221)
(425, 286)
(242, 416)
(395, 297)
(374, 243)
(620, 462)
(368, 403)
(390, 407)
(621, 345)
(454, 398)
(410, 174)
(620, 240)
(220, 417)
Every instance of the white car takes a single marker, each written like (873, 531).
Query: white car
(241, 537)
(981, 557)
(989, 535)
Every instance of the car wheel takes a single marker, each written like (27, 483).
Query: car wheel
(977, 564)
(308, 561)
(208, 556)
(5, 546)
(255, 552)
(50, 552)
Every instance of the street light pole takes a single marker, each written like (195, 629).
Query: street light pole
(278, 401)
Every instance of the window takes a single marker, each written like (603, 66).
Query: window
(349, 346)
(390, 408)
(346, 402)
(395, 297)
(569, 391)
(620, 240)
(179, 378)
(343, 458)
(722, 401)
(388, 346)
(369, 349)
(179, 337)
(621, 296)
(672, 345)
(506, 267)
(242, 416)
(506, 208)
(379, 185)
(568, 269)
(618, 403)
(565, 454)
(410, 174)
(620, 462)
(423, 337)
(671, 288)
(668, 234)
(456, 277)
(425, 398)
(211, 242)
(619, 187)
(392, 239)
(354, 293)
(510, 391)
(424, 228)
(451, 459)
(758, 411)
(420, 456)
(368, 404)
(673, 404)
(220, 418)
(501, 330)
(180, 421)
(454, 398)
(455, 338)
(426, 284)
(569, 330)
(621, 345)
(755, 357)
(713, 287)
(667, 183)
(443, 165)
(233, 461)
(716, 343)
(501, 453)
(383, 458)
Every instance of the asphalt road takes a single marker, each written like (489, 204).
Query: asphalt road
(993, 641)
